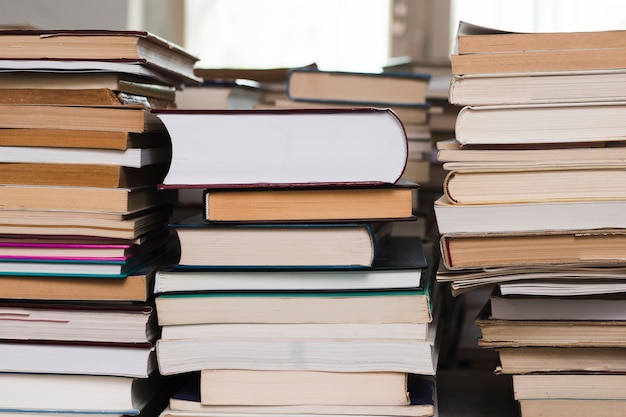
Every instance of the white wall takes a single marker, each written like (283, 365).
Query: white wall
(65, 14)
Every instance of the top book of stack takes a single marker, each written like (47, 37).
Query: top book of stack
(486, 50)
(75, 48)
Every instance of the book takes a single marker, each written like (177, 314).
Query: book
(557, 280)
(476, 39)
(537, 87)
(575, 386)
(451, 153)
(405, 306)
(84, 139)
(67, 393)
(282, 245)
(417, 115)
(82, 199)
(247, 387)
(137, 286)
(186, 402)
(134, 68)
(336, 204)
(522, 360)
(86, 80)
(76, 97)
(115, 119)
(579, 247)
(125, 360)
(541, 123)
(400, 264)
(571, 407)
(579, 283)
(175, 356)
(81, 175)
(281, 147)
(131, 157)
(397, 88)
(220, 94)
(534, 184)
(298, 330)
(501, 333)
(99, 45)
(45, 223)
(594, 307)
(85, 322)
(529, 216)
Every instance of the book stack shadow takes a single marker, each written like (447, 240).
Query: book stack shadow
(533, 206)
(83, 226)
(291, 295)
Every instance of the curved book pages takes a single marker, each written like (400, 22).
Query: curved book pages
(284, 147)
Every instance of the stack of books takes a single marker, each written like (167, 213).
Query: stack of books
(82, 224)
(290, 294)
(533, 203)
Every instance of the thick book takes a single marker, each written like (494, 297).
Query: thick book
(360, 307)
(375, 89)
(99, 45)
(278, 245)
(79, 97)
(83, 139)
(525, 307)
(52, 224)
(525, 360)
(452, 153)
(337, 204)
(85, 322)
(529, 216)
(175, 356)
(83, 199)
(249, 387)
(549, 248)
(136, 287)
(603, 386)
(23, 392)
(284, 147)
(299, 330)
(92, 81)
(502, 333)
(541, 123)
(136, 360)
(185, 402)
(571, 407)
(131, 157)
(81, 175)
(534, 184)
(110, 119)
(538, 87)
(399, 265)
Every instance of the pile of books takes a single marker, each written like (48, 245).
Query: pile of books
(82, 224)
(533, 204)
(290, 295)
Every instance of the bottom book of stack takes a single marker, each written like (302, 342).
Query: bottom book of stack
(297, 393)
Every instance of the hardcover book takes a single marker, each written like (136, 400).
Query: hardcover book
(286, 148)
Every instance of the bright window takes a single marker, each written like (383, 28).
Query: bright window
(337, 35)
